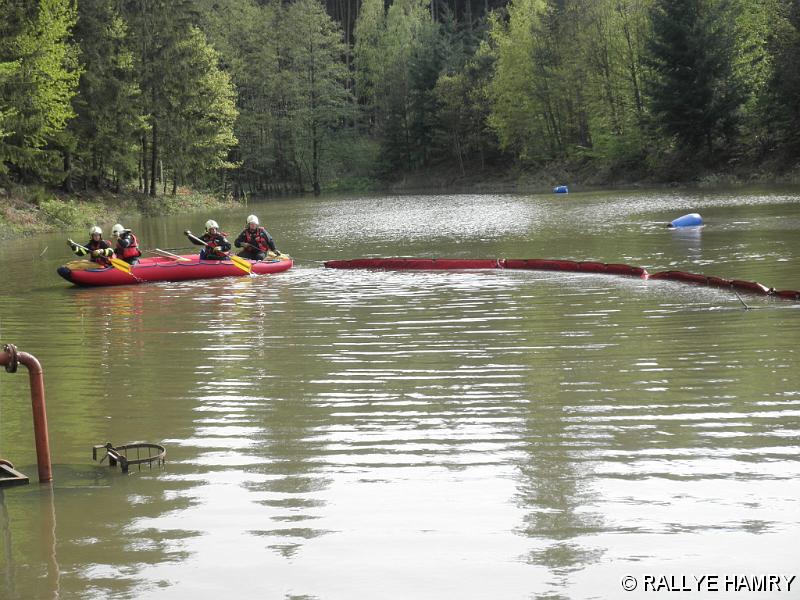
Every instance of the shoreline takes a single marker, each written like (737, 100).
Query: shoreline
(591, 176)
(30, 210)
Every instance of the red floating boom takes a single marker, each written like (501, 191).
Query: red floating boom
(542, 264)
(415, 264)
(536, 264)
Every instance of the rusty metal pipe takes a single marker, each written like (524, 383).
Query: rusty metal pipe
(9, 358)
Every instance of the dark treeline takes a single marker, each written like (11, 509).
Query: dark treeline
(247, 96)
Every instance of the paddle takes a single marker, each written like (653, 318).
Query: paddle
(165, 254)
(238, 261)
(117, 263)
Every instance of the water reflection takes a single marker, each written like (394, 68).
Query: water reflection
(17, 561)
(8, 555)
(687, 242)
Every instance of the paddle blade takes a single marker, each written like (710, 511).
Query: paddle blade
(242, 263)
(120, 264)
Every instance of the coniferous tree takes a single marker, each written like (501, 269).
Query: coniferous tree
(369, 59)
(8, 71)
(405, 78)
(695, 93)
(107, 122)
(462, 129)
(781, 114)
(317, 80)
(171, 53)
(246, 36)
(200, 111)
(38, 77)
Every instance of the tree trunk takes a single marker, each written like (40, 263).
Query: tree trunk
(154, 161)
(315, 159)
(68, 172)
(144, 184)
(632, 62)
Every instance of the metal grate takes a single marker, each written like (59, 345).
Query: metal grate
(131, 454)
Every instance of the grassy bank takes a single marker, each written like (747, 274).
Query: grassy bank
(26, 210)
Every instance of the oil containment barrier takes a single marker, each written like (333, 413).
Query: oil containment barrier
(543, 264)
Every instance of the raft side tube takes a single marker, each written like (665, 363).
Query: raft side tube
(65, 272)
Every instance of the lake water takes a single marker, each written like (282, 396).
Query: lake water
(417, 435)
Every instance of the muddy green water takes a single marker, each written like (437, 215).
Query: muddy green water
(419, 435)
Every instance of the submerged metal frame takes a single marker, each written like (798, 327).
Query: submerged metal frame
(119, 454)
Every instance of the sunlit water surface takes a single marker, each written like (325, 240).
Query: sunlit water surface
(416, 435)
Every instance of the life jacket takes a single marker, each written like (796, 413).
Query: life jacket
(101, 245)
(132, 251)
(218, 239)
(256, 238)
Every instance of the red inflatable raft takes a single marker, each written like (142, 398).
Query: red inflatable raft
(165, 269)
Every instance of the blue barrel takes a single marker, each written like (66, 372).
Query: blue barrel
(561, 189)
(690, 220)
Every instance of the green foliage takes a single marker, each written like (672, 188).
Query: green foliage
(463, 109)
(612, 44)
(107, 122)
(251, 96)
(695, 94)
(197, 127)
(349, 161)
(38, 78)
(517, 90)
(187, 101)
(368, 58)
(245, 34)
(397, 65)
(538, 93)
(315, 80)
(780, 103)
(60, 212)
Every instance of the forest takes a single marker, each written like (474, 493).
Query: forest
(264, 97)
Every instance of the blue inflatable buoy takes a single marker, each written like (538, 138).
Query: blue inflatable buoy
(561, 189)
(690, 220)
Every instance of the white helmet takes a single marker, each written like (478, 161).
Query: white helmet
(211, 224)
(117, 230)
(94, 230)
(252, 219)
